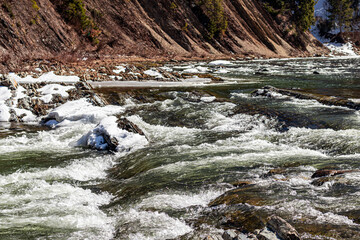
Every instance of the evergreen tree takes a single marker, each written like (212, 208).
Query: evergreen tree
(340, 13)
(304, 14)
(302, 11)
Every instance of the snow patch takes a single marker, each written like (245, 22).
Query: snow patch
(153, 73)
(46, 77)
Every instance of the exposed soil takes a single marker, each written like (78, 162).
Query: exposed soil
(142, 29)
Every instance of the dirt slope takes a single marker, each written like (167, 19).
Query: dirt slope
(144, 28)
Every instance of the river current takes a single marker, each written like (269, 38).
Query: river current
(202, 140)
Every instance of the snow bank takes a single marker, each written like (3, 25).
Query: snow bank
(220, 63)
(346, 49)
(4, 113)
(5, 94)
(107, 136)
(81, 110)
(46, 77)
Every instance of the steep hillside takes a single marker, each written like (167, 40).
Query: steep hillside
(32, 29)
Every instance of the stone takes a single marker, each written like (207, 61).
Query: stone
(213, 237)
(125, 124)
(274, 171)
(265, 234)
(7, 82)
(230, 235)
(282, 228)
(330, 172)
(240, 183)
(246, 194)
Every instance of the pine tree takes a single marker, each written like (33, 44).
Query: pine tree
(340, 13)
(305, 14)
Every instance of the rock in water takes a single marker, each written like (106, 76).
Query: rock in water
(282, 228)
(107, 136)
(230, 235)
(125, 124)
(330, 172)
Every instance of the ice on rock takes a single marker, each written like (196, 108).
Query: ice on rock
(153, 73)
(119, 69)
(82, 110)
(50, 89)
(107, 136)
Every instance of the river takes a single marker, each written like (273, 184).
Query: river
(201, 140)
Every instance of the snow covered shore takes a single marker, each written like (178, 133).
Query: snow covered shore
(63, 101)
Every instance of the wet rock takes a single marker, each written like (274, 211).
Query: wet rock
(316, 73)
(240, 183)
(273, 172)
(247, 194)
(282, 228)
(245, 220)
(330, 172)
(125, 124)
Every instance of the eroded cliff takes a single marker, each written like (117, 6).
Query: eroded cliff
(41, 29)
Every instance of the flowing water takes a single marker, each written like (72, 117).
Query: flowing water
(198, 147)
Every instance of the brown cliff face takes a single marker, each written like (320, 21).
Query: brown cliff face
(145, 28)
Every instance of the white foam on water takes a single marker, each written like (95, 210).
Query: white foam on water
(163, 134)
(152, 225)
(337, 142)
(54, 205)
(303, 209)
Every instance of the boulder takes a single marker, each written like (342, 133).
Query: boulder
(125, 124)
(330, 172)
(250, 194)
(282, 228)
(230, 235)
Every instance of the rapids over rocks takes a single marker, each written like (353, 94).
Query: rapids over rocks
(214, 157)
